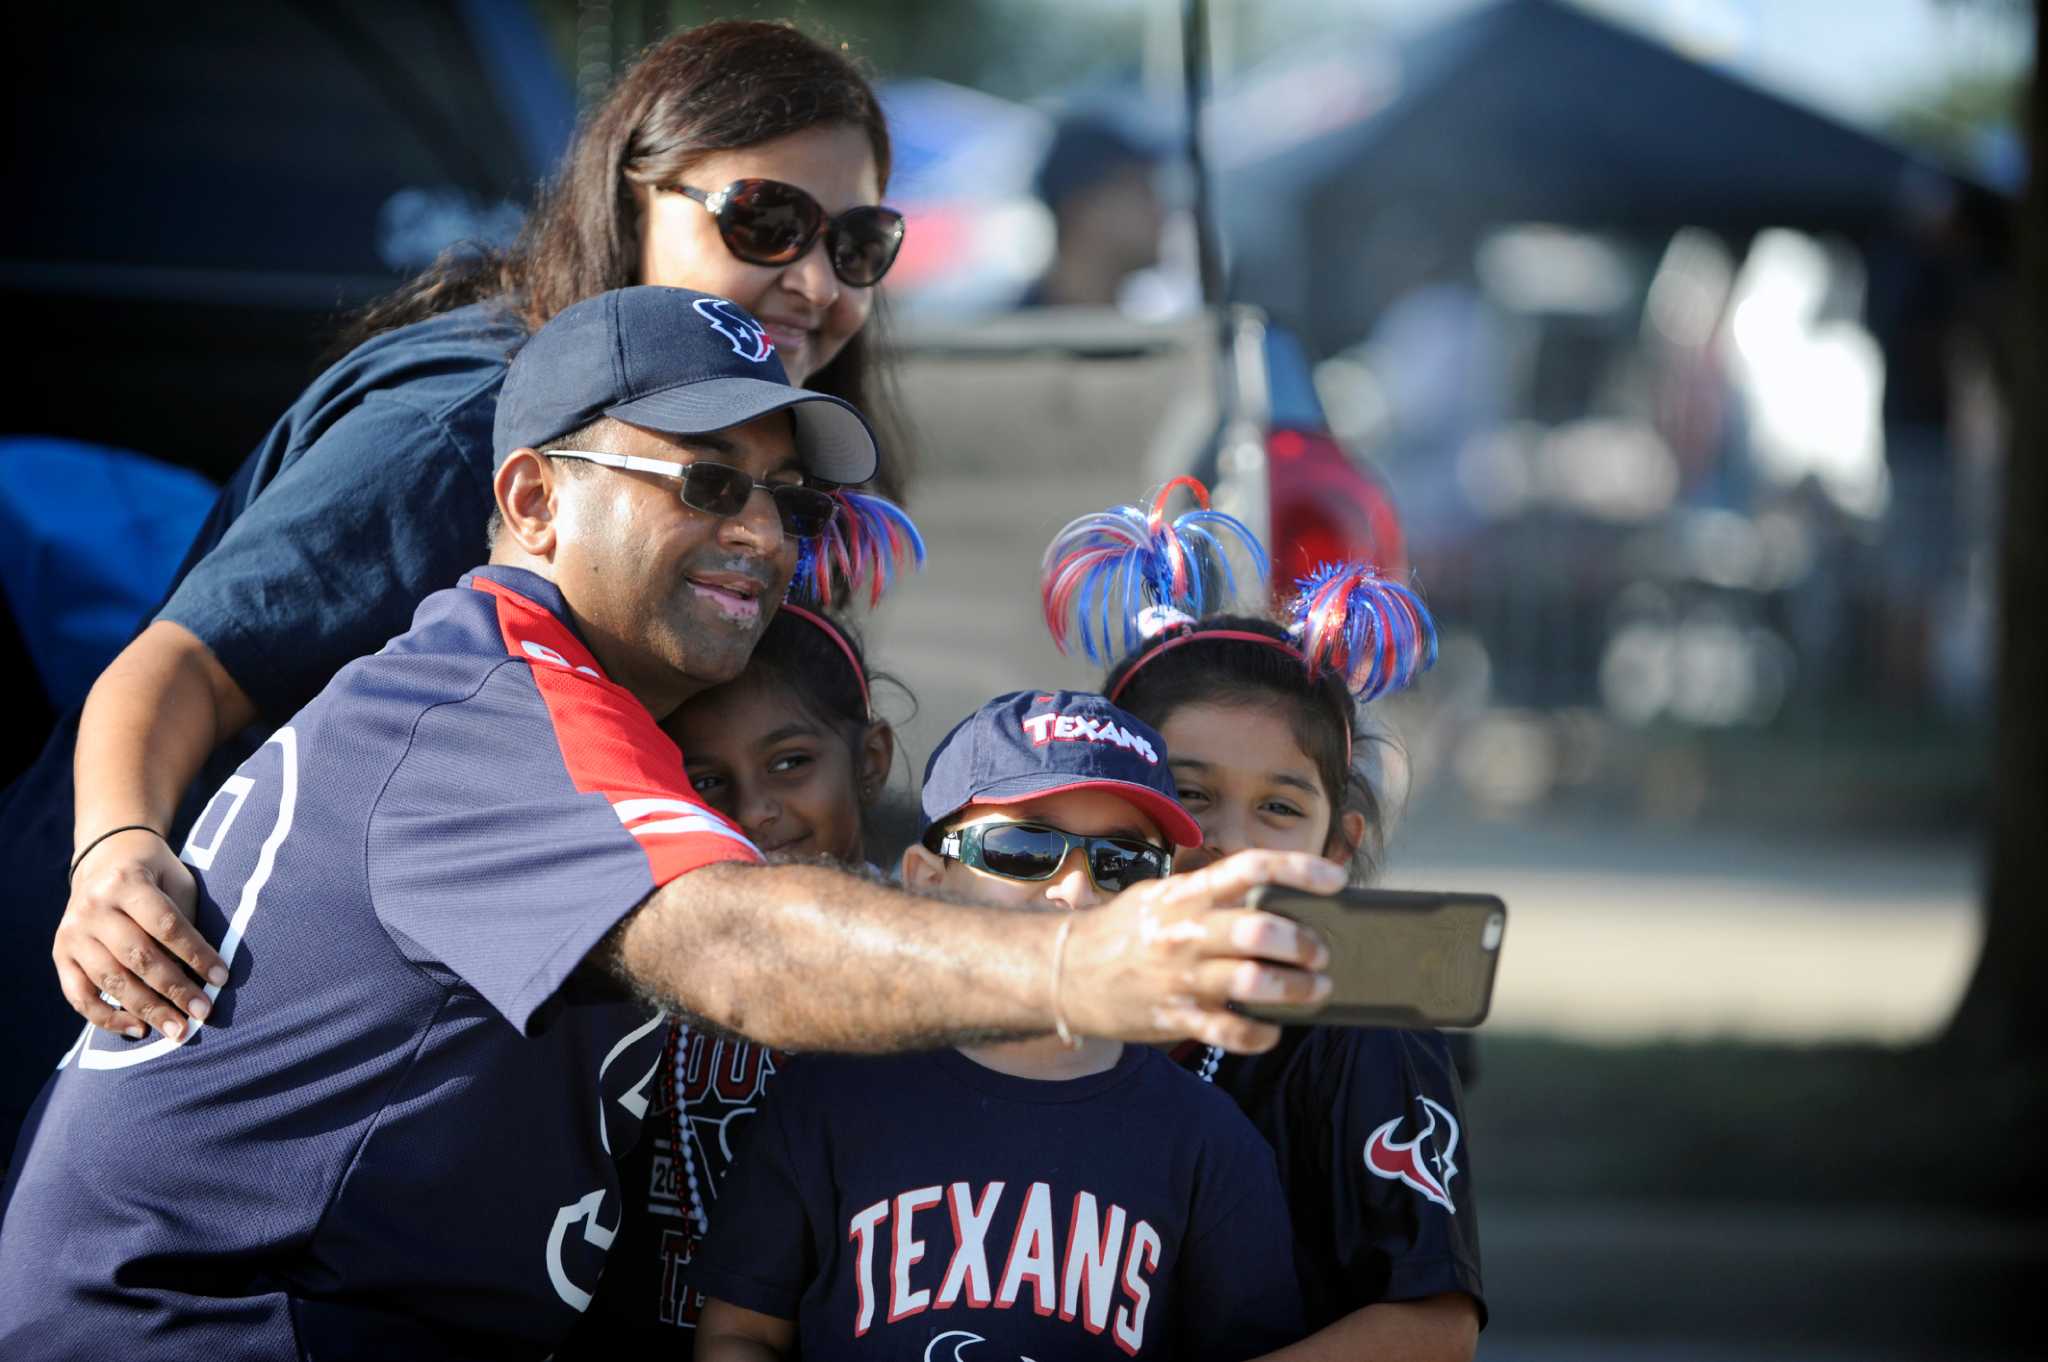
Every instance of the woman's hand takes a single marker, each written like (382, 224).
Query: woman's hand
(127, 934)
(153, 716)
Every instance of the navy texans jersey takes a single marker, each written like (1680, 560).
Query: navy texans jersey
(1369, 1127)
(922, 1206)
(395, 1135)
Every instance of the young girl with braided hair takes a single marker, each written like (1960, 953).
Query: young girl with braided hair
(793, 751)
(1269, 735)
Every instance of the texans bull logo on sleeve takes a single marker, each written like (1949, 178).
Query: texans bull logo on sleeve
(1419, 1162)
(749, 339)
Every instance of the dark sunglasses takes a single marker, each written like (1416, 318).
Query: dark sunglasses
(1033, 851)
(767, 222)
(722, 490)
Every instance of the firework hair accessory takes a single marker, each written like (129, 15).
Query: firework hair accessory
(1124, 575)
(1373, 632)
(1345, 619)
(865, 546)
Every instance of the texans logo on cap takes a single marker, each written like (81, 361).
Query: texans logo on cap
(1077, 727)
(749, 339)
(1032, 744)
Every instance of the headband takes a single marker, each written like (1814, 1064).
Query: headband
(1193, 632)
(831, 631)
(865, 543)
(1196, 633)
(1129, 572)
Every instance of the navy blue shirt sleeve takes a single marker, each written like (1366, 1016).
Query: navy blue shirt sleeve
(1396, 1162)
(328, 562)
(517, 830)
(1237, 1295)
(760, 1253)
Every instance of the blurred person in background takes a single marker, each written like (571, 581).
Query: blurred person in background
(1099, 178)
(741, 159)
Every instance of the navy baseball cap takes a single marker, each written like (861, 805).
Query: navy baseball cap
(1029, 744)
(672, 360)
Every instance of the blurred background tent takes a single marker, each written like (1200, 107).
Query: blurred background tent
(1532, 111)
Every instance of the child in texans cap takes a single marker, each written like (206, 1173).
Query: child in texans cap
(1051, 1198)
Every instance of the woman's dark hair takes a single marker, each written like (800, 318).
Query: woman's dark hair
(1325, 720)
(719, 87)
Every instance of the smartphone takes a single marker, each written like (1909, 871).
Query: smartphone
(1397, 957)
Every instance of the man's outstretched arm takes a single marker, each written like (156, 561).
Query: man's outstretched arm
(809, 958)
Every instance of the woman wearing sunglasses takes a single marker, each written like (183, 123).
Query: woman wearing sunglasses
(741, 159)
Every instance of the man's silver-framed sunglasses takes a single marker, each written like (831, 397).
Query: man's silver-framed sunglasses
(720, 489)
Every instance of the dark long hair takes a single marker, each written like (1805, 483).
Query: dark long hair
(719, 87)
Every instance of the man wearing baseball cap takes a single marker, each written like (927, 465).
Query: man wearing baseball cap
(434, 887)
(1081, 1197)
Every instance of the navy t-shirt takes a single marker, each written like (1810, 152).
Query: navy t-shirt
(912, 1206)
(395, 1137)
(370, 492)
(1369, 1127)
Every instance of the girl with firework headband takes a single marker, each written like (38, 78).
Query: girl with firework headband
(793, 751)
(1269, 738)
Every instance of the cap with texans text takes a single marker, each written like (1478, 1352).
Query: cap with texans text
(672, 360)
(1029, 744)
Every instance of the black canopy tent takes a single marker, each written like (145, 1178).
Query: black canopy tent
(1537, 111)
(199, 191)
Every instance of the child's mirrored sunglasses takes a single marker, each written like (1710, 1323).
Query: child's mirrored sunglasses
(1036, 851)
(767, 222)
(722, 490)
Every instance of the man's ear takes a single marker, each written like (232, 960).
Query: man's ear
(922, 869)
(877, 753)
(525, 487)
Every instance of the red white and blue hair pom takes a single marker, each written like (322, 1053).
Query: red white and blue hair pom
(1128, 572)
(867, 543)
(1373, 632)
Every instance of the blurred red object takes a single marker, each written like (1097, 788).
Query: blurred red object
(1326, 509)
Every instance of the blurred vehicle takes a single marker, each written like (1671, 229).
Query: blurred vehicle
(216, 185)
(1275, 462)
(213, 188)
